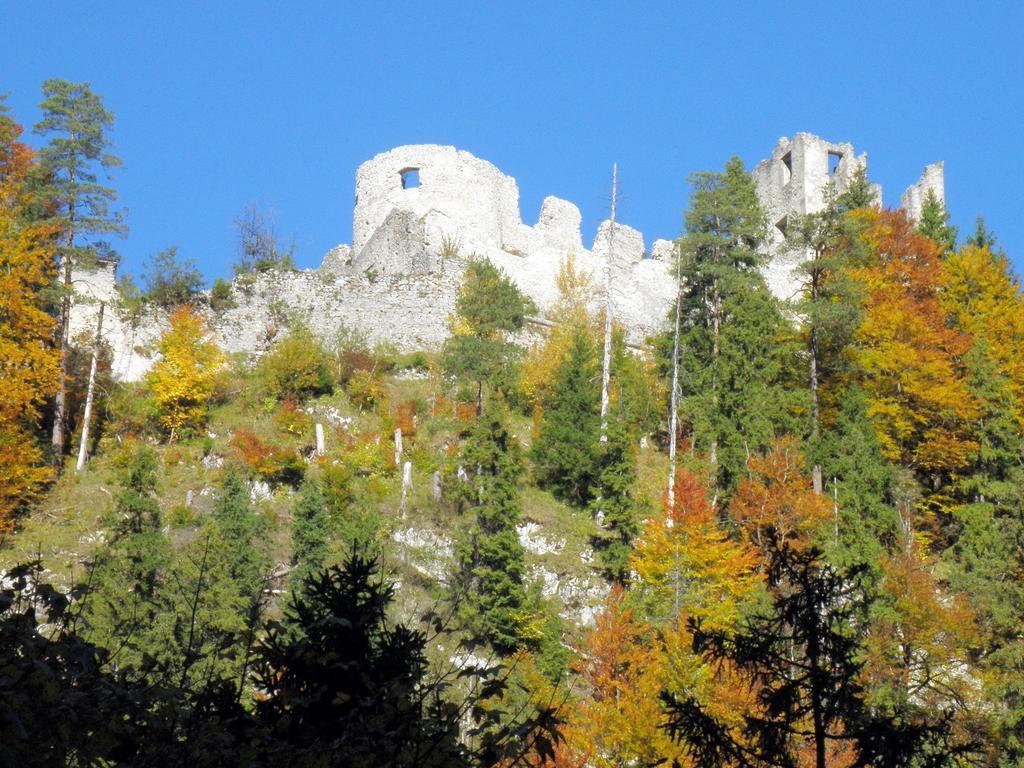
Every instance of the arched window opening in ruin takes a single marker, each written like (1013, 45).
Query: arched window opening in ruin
(834, 158)
(787, 167)
(410, 178)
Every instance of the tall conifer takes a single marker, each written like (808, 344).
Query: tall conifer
(566, 450)
(77, 125)
(493, 559)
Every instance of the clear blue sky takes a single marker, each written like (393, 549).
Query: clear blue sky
(220, 105)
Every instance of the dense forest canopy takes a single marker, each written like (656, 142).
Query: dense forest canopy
(795, 538)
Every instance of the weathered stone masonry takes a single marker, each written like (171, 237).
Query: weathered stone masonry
(418, 206)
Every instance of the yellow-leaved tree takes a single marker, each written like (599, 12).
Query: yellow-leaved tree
(983, 298)
(184, 379)
(28, 361)
(686, 569)
(567, 316)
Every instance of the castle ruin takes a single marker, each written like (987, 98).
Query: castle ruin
(422, 209)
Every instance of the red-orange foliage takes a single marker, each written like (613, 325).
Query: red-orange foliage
(618, 719)
(405, 418)
(779, 496)
(466, 413)
(28, 362)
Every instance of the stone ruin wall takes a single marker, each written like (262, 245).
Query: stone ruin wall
(416, 205)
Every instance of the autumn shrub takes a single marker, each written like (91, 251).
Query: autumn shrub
(441, 407)
(365, 389)
(291, 420)
(369, 455)
(130, 411)
(297, 367)
(465, 413)
(405, 418)
(269, 463)
(336, 482)
(181, 516)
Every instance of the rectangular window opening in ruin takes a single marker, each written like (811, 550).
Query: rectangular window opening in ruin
(787, 166)
(834, 158)
(410, 178)
(781, 225)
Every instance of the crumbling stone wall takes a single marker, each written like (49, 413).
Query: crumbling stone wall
(932, 180)
(793, 182)
(422, 210)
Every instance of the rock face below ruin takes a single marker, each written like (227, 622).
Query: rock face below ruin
(422, 210)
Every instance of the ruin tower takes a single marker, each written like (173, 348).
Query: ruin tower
(792, 183)
(932, 180)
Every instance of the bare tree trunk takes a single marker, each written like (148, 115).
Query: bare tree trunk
(83, 445)
(320, 445)
(815, 408)
(716, 328)
(60, 400)
(606, 370)
(673, 424)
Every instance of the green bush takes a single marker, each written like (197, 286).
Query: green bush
(297, 367)
(222, 296)
(181, 516)
(365, 389)
(131, 412)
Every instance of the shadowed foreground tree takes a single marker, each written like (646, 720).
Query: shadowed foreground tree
(338, 685)
(802, 653)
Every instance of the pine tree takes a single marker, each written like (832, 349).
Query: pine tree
(238, 533)
(77, 125)
(982, 237)
(123, 588)
(489, 309)
(857, 478)
(935, 224)
(309, 530)
(827, 243)
(565, 453)
(986, 559)
(616, 503)
(736, 348)
(859, 193)
(492, 561)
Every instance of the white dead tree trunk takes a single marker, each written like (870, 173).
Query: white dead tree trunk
(398, 447)
(673, 419)
(406, 484)
(606, 370)
(83, 445)
(320, 443)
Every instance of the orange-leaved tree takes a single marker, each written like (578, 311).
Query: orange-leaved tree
(687, 565)
(921, 641)
(779, 496)
(910, 357)
(617, 718)
(28, 361)
(184, 379)
(690, 572)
